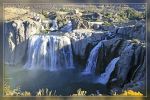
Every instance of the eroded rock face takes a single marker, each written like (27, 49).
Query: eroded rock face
(129, 72)
(138, 82)
(80, 40)
(16, 34)
(124, 64)
(140, 72)
(130, 30)
(107, 53)
(82, 43)
(138, 30)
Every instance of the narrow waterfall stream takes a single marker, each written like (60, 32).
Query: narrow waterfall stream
(92, 60)
(49, 53)
(104, 77)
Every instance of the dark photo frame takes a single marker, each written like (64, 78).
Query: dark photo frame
(62, 60)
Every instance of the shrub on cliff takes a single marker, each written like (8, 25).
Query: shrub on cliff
(133, 14)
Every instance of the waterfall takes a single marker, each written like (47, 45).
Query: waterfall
(92, 60)
(49, 52)
(104, 77)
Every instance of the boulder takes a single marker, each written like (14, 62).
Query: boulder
(96, 26)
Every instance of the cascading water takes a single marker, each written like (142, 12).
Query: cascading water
(92, 60)
(104, 77)
(49, 52)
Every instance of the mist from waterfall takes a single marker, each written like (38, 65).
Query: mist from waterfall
(104, 77)
(49, 52)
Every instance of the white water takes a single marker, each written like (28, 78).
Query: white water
(92, 60)
(104, 77)
(49, 53)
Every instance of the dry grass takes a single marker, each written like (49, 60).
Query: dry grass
(45, 92)
(11, 13)
(80, 93)
(8, 91)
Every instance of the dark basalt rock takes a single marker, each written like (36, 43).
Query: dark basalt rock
(17, 33)
(130, 68)
(107, 53)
